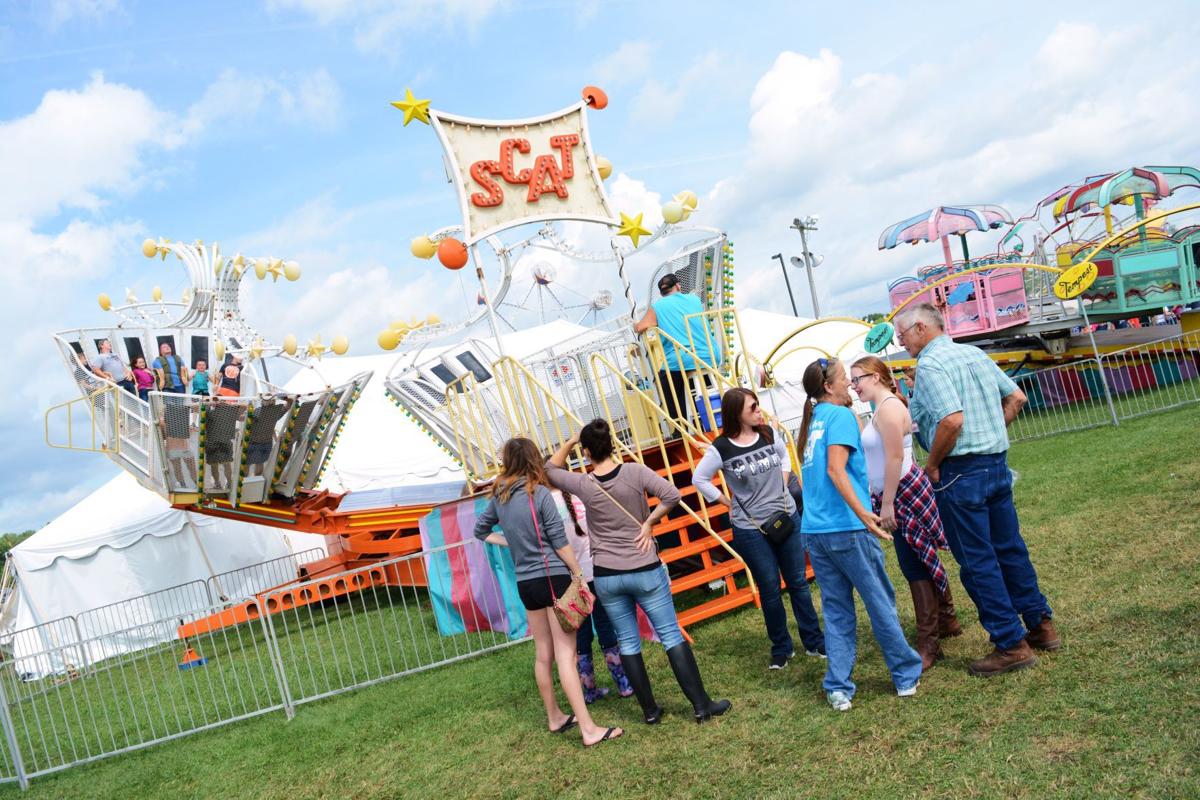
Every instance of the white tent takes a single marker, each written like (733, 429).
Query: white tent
(119, 543)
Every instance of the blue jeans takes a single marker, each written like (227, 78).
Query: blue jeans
(622, 594)
(768, 563)
(602, 630)
(974, 498)
(845, 562)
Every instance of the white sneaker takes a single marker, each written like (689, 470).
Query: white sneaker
(839, 700)
(909, 691)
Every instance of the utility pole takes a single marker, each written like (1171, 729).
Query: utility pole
(788, 281)
(809, 223)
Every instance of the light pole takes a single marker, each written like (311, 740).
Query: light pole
(809, 223)
(788, 281)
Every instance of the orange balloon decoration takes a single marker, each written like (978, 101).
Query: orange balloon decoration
(595, 97)
(452, 253)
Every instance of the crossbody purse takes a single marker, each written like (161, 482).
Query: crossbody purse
(575, 605)
(777, 527)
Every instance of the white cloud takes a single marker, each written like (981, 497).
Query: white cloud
(382, 26)
(312, 98)
(60, 12)
(865, 150)
(76, 146)
(629, 63)
(659, 102)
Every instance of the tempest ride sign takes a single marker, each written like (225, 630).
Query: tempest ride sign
(512, 172)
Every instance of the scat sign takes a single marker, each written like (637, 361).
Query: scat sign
(879, 337)
(1075, 280)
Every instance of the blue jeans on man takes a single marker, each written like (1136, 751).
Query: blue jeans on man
(768, 563)
(650, 589)
(844, 563)
(974, 498)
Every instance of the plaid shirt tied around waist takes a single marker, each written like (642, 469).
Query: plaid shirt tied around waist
(918, 521)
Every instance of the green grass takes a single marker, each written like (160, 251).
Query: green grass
(1110, 518)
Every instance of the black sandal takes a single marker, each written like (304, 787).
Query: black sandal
(566, 726)
(608, 736)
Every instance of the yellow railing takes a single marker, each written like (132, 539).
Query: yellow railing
(740, 373)
(101, 405)
(525, 407)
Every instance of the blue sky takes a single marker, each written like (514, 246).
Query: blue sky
(266, 126)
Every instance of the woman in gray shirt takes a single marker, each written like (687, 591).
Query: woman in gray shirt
(628, 571)
(545, 565)
(754, 462)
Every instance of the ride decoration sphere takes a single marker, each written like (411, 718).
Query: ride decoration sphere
(452, 253)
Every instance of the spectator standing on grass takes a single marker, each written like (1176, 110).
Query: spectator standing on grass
(172, 374)
(597, 625)
(629, 573)
(903, 498)
(962, 404)
(840, 532)
(754, 462)
(530, 526)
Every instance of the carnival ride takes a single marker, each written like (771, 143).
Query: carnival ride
(261, 456)
(1142, 262)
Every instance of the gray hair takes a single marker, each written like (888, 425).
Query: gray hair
(921, 312)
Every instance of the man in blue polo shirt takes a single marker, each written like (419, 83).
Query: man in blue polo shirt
(962, 404)
(670, 314)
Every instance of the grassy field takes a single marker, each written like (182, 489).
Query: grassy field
(1110, 515)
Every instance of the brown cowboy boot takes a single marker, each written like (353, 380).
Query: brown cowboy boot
(947, 620)
(1000, 661)
(1044, 636)
(925, 606)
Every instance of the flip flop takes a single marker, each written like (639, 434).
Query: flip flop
(566, 726)
(608, 736)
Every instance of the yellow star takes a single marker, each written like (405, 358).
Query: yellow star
(632, 227)
(413, 108)
(315, 348)
(275, 267)
(256, 350)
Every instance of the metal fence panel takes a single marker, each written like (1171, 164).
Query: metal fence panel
(368, 625)
(155, 695)
(255, 579)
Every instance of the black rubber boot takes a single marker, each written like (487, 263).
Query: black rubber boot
(635, 671)
(683, 664)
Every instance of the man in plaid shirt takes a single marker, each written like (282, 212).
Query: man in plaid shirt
(962, 404)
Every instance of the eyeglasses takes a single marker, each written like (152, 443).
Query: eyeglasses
(854, 381)
(753, 407)
(900, 334)
(824, 362)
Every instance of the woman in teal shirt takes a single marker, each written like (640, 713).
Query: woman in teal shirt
(840, 532)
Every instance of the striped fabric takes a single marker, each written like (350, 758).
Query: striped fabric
(472, 587)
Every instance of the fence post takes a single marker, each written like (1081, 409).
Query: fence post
(289, 707)
(1112, 409)
(10, 736)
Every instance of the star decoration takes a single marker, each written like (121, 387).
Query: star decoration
(275, 267)
(632, 227)
(413, 108)
(163, 249)
(256, 349)
(315, 348)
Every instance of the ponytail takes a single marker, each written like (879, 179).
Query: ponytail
(815, 377)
